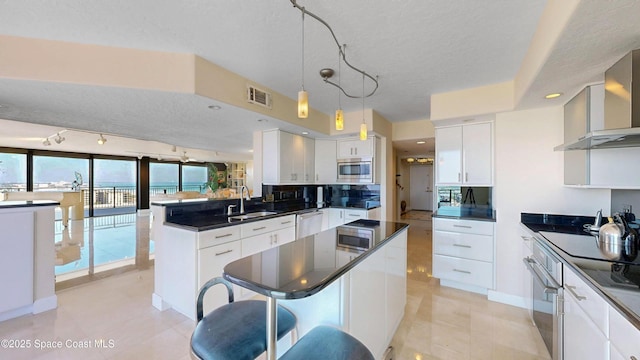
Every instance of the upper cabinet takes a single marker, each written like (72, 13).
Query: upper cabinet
(464, 155)
(356, 148)
(325, 162)
(287, 158)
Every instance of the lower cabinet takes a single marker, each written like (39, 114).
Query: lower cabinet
(211, 263)
(341, 216)
(583, 339)
(624, 338)
(463, 254)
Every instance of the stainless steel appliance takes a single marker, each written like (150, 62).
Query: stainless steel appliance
(309, 223)
(356, 238)
(547, 297)
(355, 170)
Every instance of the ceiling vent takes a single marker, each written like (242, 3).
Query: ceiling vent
(258, 97)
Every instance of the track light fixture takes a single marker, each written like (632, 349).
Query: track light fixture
(46, 142)
(59, 139)
(342, 54)
(101, 140)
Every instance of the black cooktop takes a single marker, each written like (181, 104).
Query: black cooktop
(588, 247)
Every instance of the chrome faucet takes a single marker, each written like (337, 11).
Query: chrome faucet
(242, 198)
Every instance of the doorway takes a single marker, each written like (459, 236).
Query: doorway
(421, 189)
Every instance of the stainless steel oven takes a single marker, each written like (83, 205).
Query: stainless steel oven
(355, 170)
(547, 297)
(355, 237)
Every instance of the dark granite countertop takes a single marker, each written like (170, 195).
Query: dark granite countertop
(466, 213)
(26, 203)
(208, 214)
(618, 282)
(304, 267)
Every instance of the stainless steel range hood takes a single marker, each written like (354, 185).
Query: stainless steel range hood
(621, 109)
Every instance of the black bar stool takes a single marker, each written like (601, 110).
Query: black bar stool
(327, 343)
(237, 330)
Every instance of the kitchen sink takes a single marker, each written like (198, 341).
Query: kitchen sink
(252, 215)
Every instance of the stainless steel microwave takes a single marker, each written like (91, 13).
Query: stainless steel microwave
(355, 170)
(356, 238)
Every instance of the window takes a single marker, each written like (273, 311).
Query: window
(114, 185)
(194, 178)
(13, 172)
(51, 173)
(163, 178)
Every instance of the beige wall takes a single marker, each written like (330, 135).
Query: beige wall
(472, 102)
(411, 130)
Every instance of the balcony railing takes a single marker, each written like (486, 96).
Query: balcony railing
(111, 197)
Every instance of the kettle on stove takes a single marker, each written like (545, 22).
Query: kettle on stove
(616, 240)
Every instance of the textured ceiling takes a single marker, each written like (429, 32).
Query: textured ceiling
(417, 48)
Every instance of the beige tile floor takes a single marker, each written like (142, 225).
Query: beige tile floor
(439, 322)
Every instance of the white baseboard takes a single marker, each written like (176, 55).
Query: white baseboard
(158, 303)
(465, 287)
(45, 304)
(16, 313)
(507, 299)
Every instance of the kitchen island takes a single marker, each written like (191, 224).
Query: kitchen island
(333, 278)
(27, 258)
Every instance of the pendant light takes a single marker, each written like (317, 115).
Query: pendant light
(303, 97)
(363, 126)
(339, 114)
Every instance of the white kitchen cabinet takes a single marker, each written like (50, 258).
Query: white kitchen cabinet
(354, 214)
(396, 282)
(309, 150)
(368, 296)
(464, 155)
(623, 336)
(583, 339)
(464, 254)
(339, 217)
(211, 263)
(284, 157)
(356, 148)
(336, 217)
(326, 166)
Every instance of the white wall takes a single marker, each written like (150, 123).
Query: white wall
(529, 178)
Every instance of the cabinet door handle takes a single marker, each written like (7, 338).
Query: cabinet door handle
(466, 177)
(526, 238)
(223, 236)
(285, 222)
(354, 215)
(275, 238)
(224, 252)
(459, 177)
(317, 177)
(462, 226)
(260, 228)
(462, 246)
(572, 290)
(462, 271)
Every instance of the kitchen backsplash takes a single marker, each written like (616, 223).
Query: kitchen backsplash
(360, 196)
(623, 199)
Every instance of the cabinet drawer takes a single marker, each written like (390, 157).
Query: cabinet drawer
(593, 304)
(624, 337)
(353, 215)
(265, 226)
(218, 236)
(472, 272)
(463, 226)
(468, 246)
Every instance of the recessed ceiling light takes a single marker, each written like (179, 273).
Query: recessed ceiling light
(263, 120)
(305, 133)
(215, 107)
(552, 95)
(421, 142)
